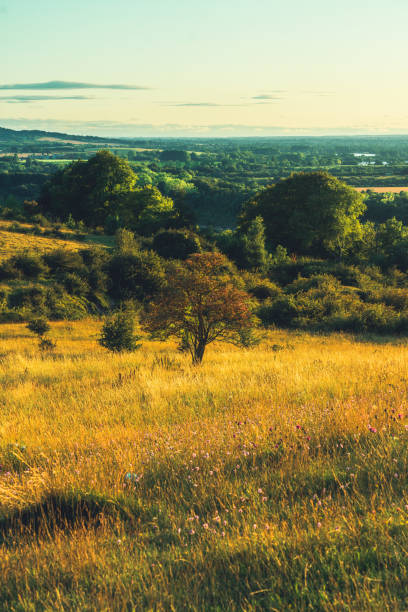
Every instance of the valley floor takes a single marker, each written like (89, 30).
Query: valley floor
(272, 478)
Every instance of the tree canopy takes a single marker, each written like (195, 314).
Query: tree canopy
(308, 213)
(201, 304)
(88, 190)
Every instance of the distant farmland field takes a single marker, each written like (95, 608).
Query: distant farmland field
(383, 189)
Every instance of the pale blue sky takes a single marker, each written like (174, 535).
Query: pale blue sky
(206, 67)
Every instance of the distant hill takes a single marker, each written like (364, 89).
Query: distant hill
(7, 135)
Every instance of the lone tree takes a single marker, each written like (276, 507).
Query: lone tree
(308, 213)
(201, 305)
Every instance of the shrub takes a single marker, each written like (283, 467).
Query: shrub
(265, 290)
(75, 285)
(118, 333)
(46, 344)
(39, 326)
(176, 244)
(29, 264)
(63, 260)
(135, 276)
(33, 298)
(280, 312)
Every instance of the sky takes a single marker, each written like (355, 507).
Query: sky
(204, 67)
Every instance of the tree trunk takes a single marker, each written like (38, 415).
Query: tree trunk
(199, 353)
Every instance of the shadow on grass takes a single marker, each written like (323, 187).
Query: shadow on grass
(58, 511)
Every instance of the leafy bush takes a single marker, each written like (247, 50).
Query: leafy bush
(118, 333)
(264, 290)
(176, 244)
(39, 326)
(29, 264)
(46, 344)
(136, 276)
(281, 312)
(64, 260)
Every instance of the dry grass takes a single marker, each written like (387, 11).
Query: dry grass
(252, 482)
(15, 242)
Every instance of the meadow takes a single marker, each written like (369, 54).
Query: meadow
(271, 478)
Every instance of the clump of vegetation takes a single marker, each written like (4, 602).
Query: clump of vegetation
(40, 327)
(118, 333)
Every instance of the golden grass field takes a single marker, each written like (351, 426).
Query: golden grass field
(12, 243)
(272, 478)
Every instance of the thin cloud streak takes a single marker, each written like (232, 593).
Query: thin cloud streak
(25, 99)
(69, 85)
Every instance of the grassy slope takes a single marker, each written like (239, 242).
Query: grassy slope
(254, 482)
(14, 242)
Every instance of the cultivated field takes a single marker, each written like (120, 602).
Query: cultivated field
(267, 479)
(383, 189)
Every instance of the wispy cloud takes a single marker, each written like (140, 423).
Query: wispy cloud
(25, 99)
(68, 85)
(267, 97)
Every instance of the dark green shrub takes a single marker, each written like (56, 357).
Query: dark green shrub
(64, 260)
(136, 276)
(33, 298)
(8, 270)
(29, 264)
(46, 344)
(265, 290)
(280, 312)
(118, 333)
(39, 326)
(176, 244)
(74, 284)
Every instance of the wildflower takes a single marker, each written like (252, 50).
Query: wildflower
(372, 429)
(319, 525)
(255, 526)
(205, 525)
(260, 491)
(192, 532)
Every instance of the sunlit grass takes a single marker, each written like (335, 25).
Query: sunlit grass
(272, 478)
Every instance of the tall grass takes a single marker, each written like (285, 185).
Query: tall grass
(273, 478)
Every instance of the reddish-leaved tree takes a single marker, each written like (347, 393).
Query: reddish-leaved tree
(201, 304)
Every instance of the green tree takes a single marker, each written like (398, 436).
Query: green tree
(145, 210)
(255, 252)
(88, 190)
(307, 213)
(201, 304)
